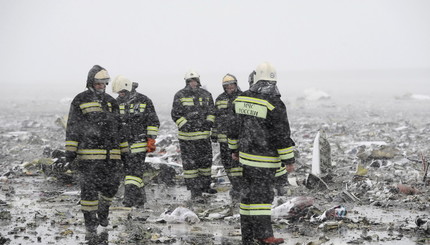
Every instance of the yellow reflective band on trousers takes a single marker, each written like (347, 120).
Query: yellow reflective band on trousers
(255, 209)
(138, 147)
(181, 121)
(89, 205)
(187, 101)
(133, 180)
(91, 107)
(286, 153)
(259, 161)
(72, 146)
(281, 171)
(115, 154)
(124, 147)
(189, 174)
(205, 171)
(105, 198)
(194, 135)
(210, 118)
(238, 171)
(233, 144)
(222, 104)
(255, 101)
(152, 130)
(222, 138)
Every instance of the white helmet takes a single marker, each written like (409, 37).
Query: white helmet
(121, 83)
(191, 74)
(265, 71)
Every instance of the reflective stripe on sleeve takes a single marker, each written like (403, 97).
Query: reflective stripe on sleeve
(233, 144)
(281, 171)
(181, 121)
(222, 138)
(205, 171)
(210, 118)
(115, 154)
(124, 147)
(238, 171)
(286, 153)
(152, 130)
(92, 154)
(222, 104)
(72, 146)
(138, 147)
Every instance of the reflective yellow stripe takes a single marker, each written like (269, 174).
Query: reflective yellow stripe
(259, 161)
(233, 144)
(210, 118)
(152, 130)
(255, 209)
(181, 121)
(91, 107)
(250, 109)
(193, 135)
(189, 174)
(89, 205)
(124, 147)
(72, 146)
(222, 104)
(133, 180)
(109, 199)
(281, 171)
(187, 101)
(142, 107)
(286, 153)
(115, 154)
(205, 171)
(110, 106)
(138, 147)
(91, 154)
(238, 171)
(122, 109)
(255, 101)
(222, 138)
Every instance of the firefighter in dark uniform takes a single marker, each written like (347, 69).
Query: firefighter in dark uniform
(193, 112)
(141, 121)
(260, 139)
(224, 114)
(93, 137)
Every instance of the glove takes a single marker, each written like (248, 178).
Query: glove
(61, 167)
(150, 145)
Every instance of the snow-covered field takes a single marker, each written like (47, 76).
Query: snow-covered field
(388, 137)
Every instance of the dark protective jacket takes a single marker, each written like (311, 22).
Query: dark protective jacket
(139, 119)
(261, 132)
(193, 112)
(93, 127)
(94, 130)
(224, 115)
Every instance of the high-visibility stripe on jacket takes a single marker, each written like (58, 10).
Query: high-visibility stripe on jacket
(224, 114)
(140, 119)
(193, 112)
(256, 209)
(261, 131)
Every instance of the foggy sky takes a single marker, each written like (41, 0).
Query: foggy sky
(51, 44)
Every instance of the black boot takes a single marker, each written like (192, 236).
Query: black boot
(91, 221)
(141, 198)
(130, 192)
(103, 212)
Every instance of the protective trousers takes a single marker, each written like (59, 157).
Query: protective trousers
(99, 183)
(134, 191)
(256, 203)
(233, 169)
(197, 162)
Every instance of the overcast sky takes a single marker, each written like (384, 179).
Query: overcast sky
(49, 42)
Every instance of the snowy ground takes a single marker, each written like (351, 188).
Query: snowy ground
(35, 209)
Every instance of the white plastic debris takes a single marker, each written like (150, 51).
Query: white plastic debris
(180, 215)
